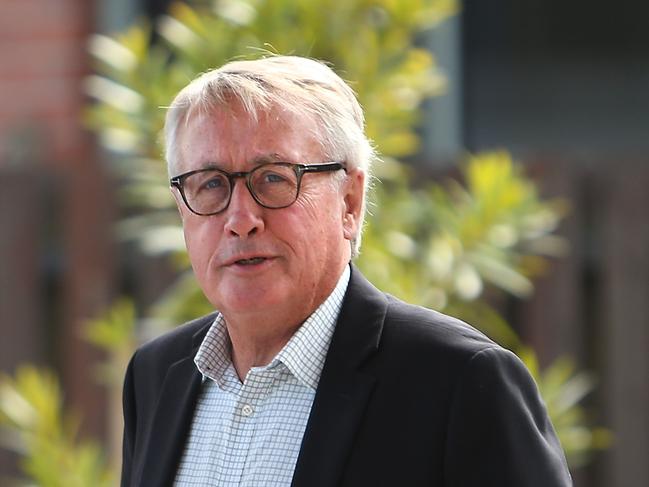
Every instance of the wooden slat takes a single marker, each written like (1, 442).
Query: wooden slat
(626, 315)
(23, 206)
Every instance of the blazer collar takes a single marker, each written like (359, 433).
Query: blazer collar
(344, 388)
(173, 415)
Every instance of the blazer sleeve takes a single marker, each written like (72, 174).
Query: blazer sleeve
(499, 433)
(130, 421)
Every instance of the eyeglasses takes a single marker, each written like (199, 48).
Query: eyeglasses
(273, 185)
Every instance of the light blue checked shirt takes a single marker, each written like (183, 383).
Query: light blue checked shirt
(250, 434)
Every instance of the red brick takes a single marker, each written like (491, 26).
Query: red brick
(26, 19)
(39, 96)
(39, 57)
(50, 106)
(61, 139)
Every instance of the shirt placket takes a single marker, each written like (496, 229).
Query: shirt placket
(247, 410)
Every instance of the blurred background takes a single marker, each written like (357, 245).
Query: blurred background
(561, 86)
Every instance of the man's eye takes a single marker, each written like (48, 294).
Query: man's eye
(214, 183)
(271, 177)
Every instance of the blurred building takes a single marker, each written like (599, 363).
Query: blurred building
(56, 245)
(561, 84)
(564, 86)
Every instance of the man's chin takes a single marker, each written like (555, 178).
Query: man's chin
(242, 294)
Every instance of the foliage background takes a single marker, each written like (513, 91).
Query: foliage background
(446, 245)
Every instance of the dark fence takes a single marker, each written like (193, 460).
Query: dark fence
(594, 304)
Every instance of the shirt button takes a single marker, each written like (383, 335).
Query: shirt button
(247, 410)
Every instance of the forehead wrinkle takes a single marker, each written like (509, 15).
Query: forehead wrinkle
(270, 158)
(279, 119)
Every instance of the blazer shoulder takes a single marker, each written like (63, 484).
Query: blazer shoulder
(431, 332)
(176, 343)
(404, 333)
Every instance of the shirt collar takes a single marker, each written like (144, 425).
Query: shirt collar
(303, 355)
(214, 354)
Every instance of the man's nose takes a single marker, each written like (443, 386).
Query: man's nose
(244, 217)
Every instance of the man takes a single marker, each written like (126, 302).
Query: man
(307, 375)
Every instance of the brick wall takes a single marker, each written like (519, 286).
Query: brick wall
(43, 61)
(56, 233)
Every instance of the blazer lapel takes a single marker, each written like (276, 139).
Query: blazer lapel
(172, 419)
(344, 389)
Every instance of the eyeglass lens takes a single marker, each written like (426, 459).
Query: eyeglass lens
(272, 185)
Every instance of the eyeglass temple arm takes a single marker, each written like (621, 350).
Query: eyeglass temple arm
(328, 166)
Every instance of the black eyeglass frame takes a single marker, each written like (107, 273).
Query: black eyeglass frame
(299, 169)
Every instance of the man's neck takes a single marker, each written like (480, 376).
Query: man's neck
(256, 350)
(258, 337)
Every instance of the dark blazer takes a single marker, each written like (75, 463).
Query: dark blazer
(408, 397)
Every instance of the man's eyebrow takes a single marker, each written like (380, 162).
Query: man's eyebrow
(210, 165)
(257, 161)
(268, 158)
(207, 165)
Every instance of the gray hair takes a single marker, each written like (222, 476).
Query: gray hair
(307, 88)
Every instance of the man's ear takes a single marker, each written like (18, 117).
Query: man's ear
(354, 189)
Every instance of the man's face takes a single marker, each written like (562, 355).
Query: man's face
(251, 261)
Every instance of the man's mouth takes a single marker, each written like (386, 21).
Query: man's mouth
(251, 261)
